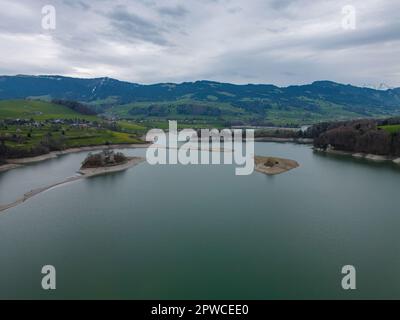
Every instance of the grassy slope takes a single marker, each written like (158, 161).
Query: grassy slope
(38, 110)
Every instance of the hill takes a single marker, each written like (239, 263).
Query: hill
(207, 100)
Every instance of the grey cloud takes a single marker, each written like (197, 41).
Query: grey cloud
(80, 4)
(135, 27)
(176, 12)
(281, 4)
(360, 37)
(272, 41)
(234, 10)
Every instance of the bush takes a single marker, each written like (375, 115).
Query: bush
(103, 159)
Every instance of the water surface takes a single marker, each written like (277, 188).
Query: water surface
(200, 232)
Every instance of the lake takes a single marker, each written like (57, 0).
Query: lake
(200, 232)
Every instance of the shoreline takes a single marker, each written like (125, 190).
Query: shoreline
(360, 155)
(19, 162)
(91, 172)
(284, 140)
(85, 173)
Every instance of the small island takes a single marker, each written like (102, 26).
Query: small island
(107, 161)
(273, 166)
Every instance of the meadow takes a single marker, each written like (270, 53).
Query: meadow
(38, 110)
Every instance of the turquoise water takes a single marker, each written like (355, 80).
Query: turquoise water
(200, 232)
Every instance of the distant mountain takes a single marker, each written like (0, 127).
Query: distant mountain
(253, 102)
(381, 86)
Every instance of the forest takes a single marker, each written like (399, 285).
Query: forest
(371, 136)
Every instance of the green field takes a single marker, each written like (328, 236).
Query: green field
(391, 128)
(38, 110)
(71, 137)
(130, 126)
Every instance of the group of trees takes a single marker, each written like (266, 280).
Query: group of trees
(76, 106)
(151, 111)
(279, 133)
(3, 151)
(365, 136)
(103, 159)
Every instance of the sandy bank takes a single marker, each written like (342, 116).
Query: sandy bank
(55, 154)
(358, 155)
(8, 166)
(43, 157)
(86, 173)
(273, 166)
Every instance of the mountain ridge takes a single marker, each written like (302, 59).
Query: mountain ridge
(381, 87)
(320, 100)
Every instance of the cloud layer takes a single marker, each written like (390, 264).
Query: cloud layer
(281, 42)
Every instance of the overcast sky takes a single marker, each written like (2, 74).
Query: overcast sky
(281, 42)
